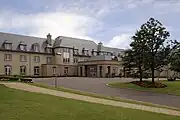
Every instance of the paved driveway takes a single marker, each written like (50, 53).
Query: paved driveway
(97, 85)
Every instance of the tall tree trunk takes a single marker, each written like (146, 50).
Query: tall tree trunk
(140, 73)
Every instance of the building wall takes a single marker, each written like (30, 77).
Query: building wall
(16, 63)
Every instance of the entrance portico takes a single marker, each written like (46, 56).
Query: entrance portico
(99, 68)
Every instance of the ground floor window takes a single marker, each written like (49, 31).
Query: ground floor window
(36, 70)
(54, 70)
(8, 69)
(65, 70)
(22, 70)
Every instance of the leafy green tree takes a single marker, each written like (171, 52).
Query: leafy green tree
(149, 44)
(174, 58)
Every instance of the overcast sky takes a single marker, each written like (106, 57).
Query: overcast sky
(112, 22)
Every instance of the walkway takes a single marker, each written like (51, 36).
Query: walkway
(31, 88)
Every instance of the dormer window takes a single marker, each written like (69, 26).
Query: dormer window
(35, 47)
(92, 52)
(85, 52)
(22, 46)
(48, 50)
(7, 45)
(75, 51)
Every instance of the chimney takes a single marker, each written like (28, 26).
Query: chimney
(99, 46)
(49, 40)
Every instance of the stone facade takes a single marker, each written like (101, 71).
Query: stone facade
(63, 56)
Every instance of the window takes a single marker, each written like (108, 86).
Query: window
(49, 50)
(85, 52)
(23, 58)
(76, 51)
(65, 70)
(66, 60)
(23, 47)
(7, 70)
(36, 70)
(49, 60)
(36, 47)
(8, 57)
(75, 60)
(22, 70)
(36, 59)
(66, 50)
(54, 70)
(8, 46)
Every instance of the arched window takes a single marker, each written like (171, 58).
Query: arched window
(36, 70)
(22, 70)
(7, 69)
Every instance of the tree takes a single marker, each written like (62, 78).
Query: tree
(127, 60)
(138, 46)
(133, 60)
(174, 58)
(149, 44)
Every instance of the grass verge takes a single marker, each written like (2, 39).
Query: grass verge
(105, 97)
(21, 105)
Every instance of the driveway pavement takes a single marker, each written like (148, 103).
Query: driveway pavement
(97, 85)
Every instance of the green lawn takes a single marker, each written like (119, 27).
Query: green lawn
(105, 97)
(21, 105)
(172, 87)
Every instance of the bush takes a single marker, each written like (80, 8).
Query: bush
(171, 79)
(148, 84)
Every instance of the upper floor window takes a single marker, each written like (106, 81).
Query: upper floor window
(36, 59)
(66, 60)
(75, 60)
(49, 60)
(66, 50)
(23, 58)
(75, 51)
(7, 57)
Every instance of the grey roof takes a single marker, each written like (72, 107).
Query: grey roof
(116, 51)
(60, 41)
(17, 39)
(77, 43)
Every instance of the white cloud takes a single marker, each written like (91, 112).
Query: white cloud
(122, 41)
(56, 23)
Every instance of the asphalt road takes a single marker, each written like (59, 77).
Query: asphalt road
(97, 85)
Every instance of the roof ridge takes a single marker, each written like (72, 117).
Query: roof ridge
(21, 35)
